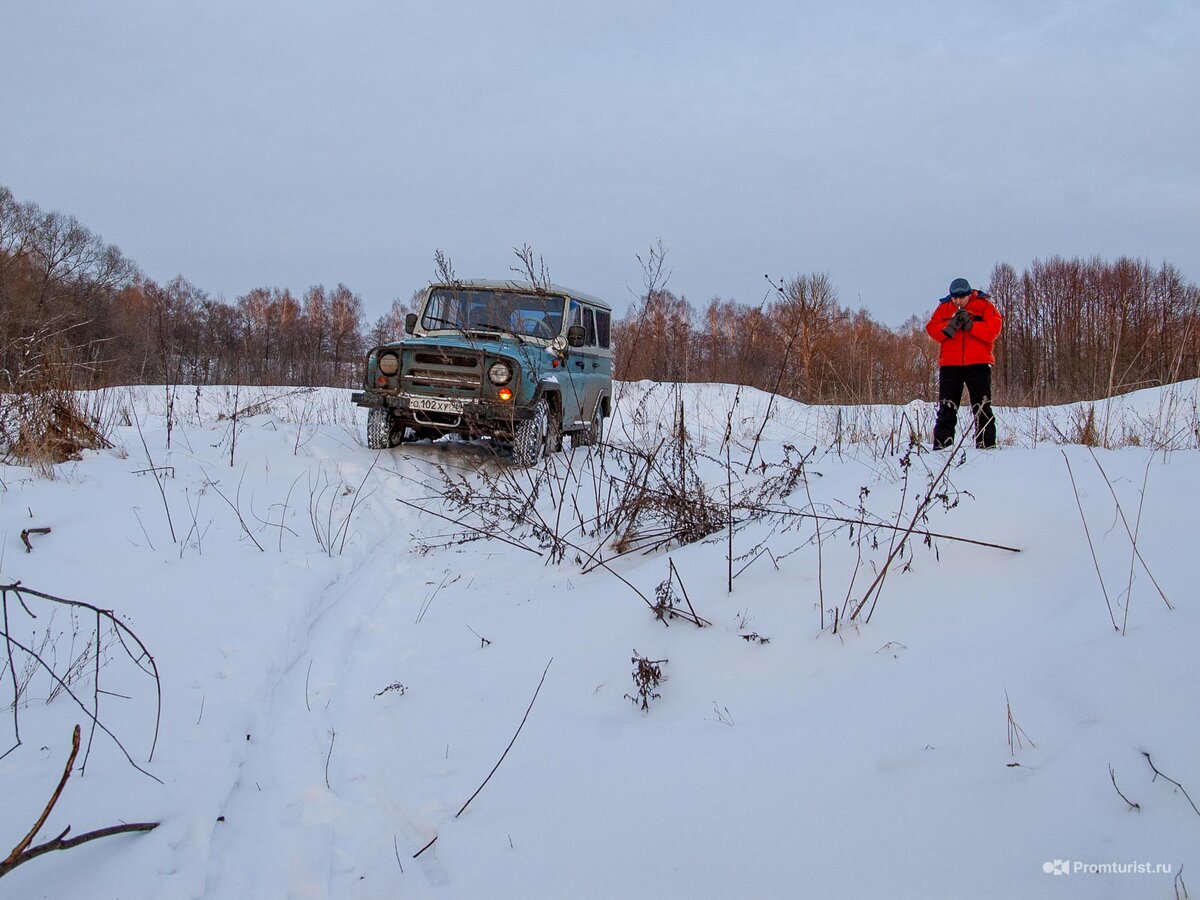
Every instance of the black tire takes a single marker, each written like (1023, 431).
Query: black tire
(554, 434)
(531, 435)
(594, 433)
(381, 428)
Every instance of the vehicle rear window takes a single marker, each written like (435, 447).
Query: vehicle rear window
(602, 328)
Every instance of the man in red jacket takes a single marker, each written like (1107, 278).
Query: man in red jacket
(966, 325)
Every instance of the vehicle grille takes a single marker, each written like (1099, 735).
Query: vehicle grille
(438, 359)
(455, 374)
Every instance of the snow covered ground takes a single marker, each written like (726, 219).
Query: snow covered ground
(347, 642)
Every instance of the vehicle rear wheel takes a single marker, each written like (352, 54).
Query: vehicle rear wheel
(594, 433)
(530, 435)
(554, 434)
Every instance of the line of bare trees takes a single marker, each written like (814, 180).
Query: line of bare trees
(75, 309)
(1078, 329)
(1074, 329)
(73, 306)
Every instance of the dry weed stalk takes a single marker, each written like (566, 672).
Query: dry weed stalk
(1091, 546)
(647, 495)
(236, 506)
(647, 676)
(63, 678)
(666, 606)
(1016, 734)
(1131, 532)
(159, 472)
(937, 491)
(516, 734)
(330, 526)
(534, 271)
(1180, 787)
(1112, 774)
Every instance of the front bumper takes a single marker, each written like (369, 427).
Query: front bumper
(474, 410)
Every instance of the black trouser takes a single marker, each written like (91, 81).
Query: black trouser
(978, 381)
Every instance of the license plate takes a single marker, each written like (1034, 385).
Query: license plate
(430, 404)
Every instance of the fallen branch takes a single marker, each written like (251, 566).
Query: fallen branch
(37, 826)
(27, 532)
(22, 853)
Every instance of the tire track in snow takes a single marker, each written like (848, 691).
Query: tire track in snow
(278, 797)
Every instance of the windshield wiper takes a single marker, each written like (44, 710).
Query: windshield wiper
(490, 327)
(453, 325)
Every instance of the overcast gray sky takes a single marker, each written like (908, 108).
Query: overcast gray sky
(892, 145)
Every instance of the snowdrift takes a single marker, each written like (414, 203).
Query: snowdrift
(900, 673)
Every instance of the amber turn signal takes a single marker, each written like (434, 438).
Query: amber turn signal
(504, 394)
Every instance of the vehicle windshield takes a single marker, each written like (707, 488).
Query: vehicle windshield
(513, 312)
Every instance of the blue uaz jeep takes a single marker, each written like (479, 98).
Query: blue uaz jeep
(519, 363)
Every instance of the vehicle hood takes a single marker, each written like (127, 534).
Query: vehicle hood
(494, 346)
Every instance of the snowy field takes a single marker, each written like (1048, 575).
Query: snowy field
(935, 675)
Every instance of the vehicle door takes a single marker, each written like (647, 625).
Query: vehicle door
(590, 364)
(602, 372)
(572, 379)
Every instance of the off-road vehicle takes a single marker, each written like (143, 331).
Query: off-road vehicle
(519, 363)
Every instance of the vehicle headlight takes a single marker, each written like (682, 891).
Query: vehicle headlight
(500, 373)
(389, 363)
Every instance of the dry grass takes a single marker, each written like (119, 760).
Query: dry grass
(50, 426)
(43, 421)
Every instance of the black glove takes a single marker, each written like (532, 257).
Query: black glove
(961, 319)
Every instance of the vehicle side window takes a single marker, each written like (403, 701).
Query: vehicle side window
(602, 323)
(589, 324)
(576, 314)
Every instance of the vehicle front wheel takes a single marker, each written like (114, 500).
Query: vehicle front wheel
(382, 429)
(530, 435)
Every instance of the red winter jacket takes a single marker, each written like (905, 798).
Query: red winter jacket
(967, 348)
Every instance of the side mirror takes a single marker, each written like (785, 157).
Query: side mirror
(410, 323)
(576, 335)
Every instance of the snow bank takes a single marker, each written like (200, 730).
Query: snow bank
(341, 670)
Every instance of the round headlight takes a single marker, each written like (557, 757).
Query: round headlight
(500, 373)
(389, 364)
